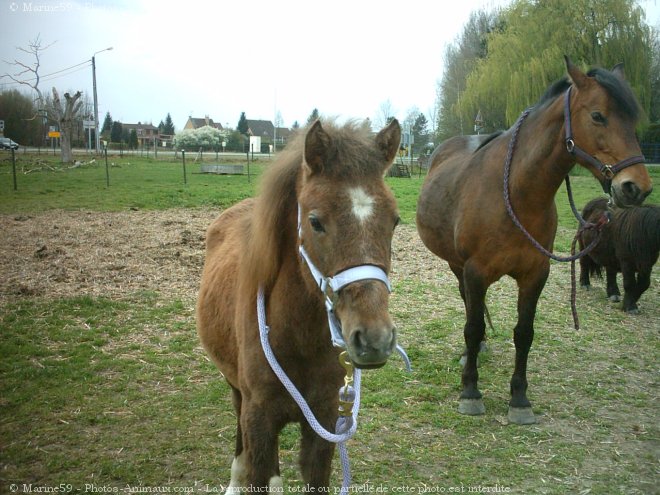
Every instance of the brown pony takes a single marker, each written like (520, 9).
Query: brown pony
(462, 217)
(331, 178)
(629, 244)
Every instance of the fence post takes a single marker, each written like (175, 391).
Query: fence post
(183, 155)
(13, 167)
(107, 170)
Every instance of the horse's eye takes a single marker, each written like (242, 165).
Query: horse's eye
(598, 118)
(316, 224)
(397, 222)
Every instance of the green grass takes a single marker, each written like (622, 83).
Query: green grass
(135, 182)
(111, 392)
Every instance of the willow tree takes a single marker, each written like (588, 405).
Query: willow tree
(526, 55)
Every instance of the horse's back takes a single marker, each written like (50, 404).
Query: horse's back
(439, 201)
(216, 304)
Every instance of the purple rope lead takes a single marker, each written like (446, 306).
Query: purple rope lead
(584, 225)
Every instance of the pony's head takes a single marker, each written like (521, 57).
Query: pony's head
(347, 219)
(603, 116)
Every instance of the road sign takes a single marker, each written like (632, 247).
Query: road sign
(88, 124)
(54, 134)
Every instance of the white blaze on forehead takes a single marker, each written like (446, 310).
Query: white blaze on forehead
(362, 204)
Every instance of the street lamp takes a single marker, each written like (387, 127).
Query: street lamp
(96, 102)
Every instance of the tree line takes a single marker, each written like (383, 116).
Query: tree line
(505, 59)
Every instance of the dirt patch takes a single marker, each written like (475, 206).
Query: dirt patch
(72, 253)
(64, 253)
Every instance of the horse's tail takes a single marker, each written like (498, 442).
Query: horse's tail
(490, 322)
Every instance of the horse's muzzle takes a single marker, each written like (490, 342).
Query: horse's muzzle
(628, 194)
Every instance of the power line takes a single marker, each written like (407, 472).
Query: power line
(53, 75)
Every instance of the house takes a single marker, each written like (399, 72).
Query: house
(261, 128)
(282, 136)
(196, 123)
(147, 134)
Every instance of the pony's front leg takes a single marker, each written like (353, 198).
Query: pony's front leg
(260, 430)
(529, 291)
(471, 402)
(634, 285)
(613, 293)
(316, 457)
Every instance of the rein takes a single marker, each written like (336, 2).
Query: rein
(349, 395)
(608, 172)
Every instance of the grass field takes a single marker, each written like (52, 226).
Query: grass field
(105, 392)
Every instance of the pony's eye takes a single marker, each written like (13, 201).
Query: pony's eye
(598, 118)
(397, 222)
(316, 224)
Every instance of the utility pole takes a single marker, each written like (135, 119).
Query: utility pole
(96, 101)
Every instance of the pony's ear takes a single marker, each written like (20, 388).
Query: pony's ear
(388, 141)
(317, 144)
(578, 77)
(618, 71)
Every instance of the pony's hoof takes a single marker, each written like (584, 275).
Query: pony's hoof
(521, 416)
(614, 298)
(471, 407)
(586, 287)
(633, 311)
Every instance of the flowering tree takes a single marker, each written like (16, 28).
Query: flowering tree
(206, 137)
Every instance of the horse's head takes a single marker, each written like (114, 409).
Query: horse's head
(347, 219)
(603, 115)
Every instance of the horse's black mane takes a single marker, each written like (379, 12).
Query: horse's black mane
(488, 139)
(615, 86)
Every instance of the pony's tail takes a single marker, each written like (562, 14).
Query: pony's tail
(594, 268)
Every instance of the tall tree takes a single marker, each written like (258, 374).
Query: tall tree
(385, 114)
(107, 123)
(460, 59)
(166, 127)
(313, 116)
(116, 132)
(65, 113)
(242, 126)
(527, 54)
(17, 110)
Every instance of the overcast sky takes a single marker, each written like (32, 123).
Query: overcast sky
(221, 58)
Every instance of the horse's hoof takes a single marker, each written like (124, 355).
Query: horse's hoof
(633, 311)
(586, 287)
(471, 407)
(614, 298)
(521, 416)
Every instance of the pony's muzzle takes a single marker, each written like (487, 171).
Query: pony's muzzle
(370, 348)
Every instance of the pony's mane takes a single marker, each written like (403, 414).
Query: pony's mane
(618, 89)
(270, 228)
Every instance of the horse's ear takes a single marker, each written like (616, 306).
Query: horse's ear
(317, 144)
(388, 141)
(578, 77)
(618, 71)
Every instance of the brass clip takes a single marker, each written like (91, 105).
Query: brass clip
(346, 393)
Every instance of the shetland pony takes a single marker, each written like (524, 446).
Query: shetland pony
(325, 192)
(462, 217)
(629, 244)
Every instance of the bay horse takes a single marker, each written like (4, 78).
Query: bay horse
(324, 196)
(462, 216)
(629, 243)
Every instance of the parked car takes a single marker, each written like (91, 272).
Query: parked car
(8, 144)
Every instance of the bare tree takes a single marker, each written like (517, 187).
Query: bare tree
(28, 74)
(65, 115)
(385, 114)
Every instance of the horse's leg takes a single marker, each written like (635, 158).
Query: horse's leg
(613, 293)
(316, 457)
(238, 465)
(475, 293)
(529, 291)
(458, 271)
(260, 427)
